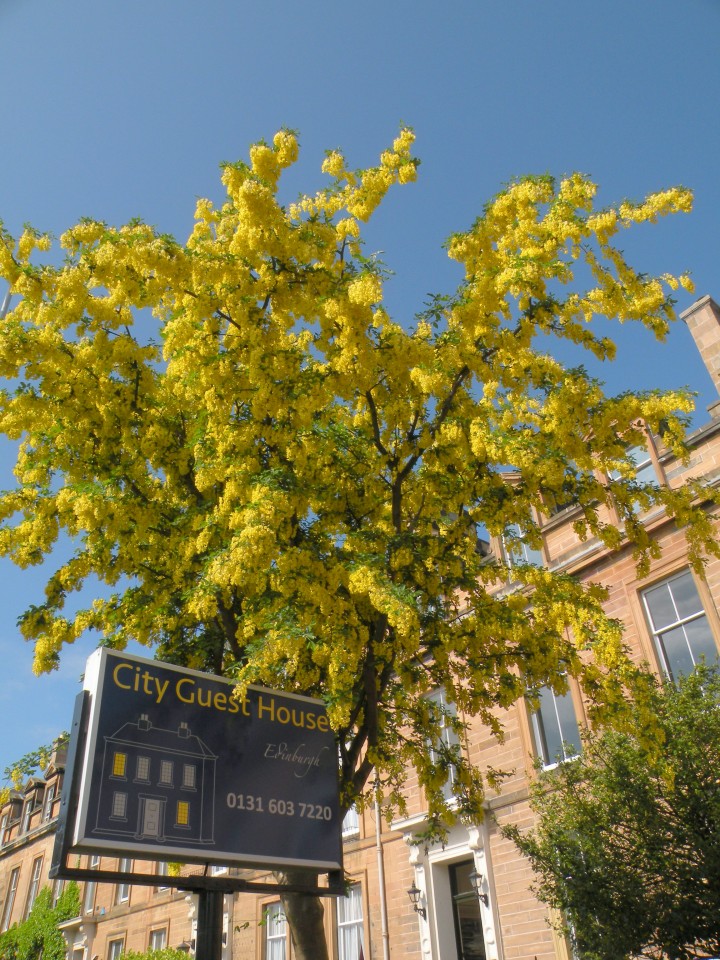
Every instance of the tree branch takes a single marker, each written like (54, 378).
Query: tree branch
(375, 423)
(229, 629)
(441, 417)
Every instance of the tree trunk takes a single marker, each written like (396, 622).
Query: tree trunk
(305, 916)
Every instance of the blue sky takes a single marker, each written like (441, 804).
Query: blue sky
(115, 110)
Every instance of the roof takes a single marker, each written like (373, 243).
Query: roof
(159, 739)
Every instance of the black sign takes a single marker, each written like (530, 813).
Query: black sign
(176, 768)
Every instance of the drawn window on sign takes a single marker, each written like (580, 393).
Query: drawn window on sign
(119, 806)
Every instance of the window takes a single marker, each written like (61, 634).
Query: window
(115, 949)
(568, 495)
(643, 471)
(3, 828)
(50, 792)
(34, 885)
(189, 776)
(27, 813)
(142, 771)
(350, 924)
(182, 816)
(448, 742)
(679, 625)
(89, 897)
(119, 806)
(351, 824)
(91, 886)
(556, 728)
(158, 939)
(119, 764)
(10, 899)
(517, 551)
(644, 467)
(162, 870)
(275, 932)
(122, 891)
(57, 889)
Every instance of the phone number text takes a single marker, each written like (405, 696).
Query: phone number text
(283, 808)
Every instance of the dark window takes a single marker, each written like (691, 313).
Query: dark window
(466, 913)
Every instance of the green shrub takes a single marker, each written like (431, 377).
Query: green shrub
(38, 936)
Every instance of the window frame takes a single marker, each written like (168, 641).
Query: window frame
(119, 765)
(113, 952)
(34, 887)
(28, 810)
(355, 892)
(645, 468)
(517, 551)
(90, 891)
(122, 890)
(163, 935)
(9, 904)
(182, 814)
(142, 769)
(351, 824)
(58, 886)
(540, 731)
(273, 913)
(657, 632)
(118, 810)
(48, 801)
(189, 777)
(162, 869)
(448, 736)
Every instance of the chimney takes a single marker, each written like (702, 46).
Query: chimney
(143, 722)
(184, 731)
(703, 320)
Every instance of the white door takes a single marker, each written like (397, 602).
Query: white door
(151, 818)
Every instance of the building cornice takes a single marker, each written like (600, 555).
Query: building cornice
(31, 836)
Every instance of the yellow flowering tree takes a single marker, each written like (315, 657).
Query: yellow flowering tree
(279, 482)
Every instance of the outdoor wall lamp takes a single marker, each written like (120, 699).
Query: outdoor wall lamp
(414, 895)
(476, 881)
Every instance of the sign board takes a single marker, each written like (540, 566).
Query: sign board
(175, 768)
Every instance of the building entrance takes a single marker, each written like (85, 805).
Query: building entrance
(151, 811)
(466, 913)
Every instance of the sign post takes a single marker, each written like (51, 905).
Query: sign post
(209, 925)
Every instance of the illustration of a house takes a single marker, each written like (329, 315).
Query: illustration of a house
(157, 786)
